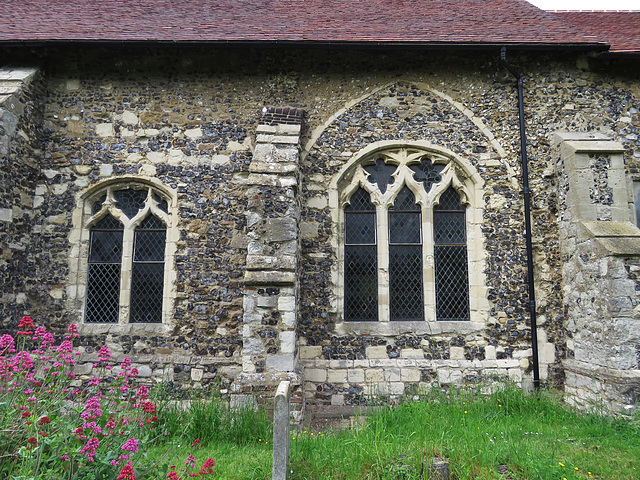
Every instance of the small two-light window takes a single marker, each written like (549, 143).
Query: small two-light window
(127, 250)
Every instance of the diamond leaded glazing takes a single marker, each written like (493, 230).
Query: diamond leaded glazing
(109, 257)
(452, 272)
(103, 277)
(405, 259)
(381, 174)
(361, 260)
(427, 173)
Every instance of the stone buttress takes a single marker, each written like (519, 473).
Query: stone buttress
(269, 333)
(601, 270)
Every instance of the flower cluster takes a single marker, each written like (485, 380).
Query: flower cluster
(36, 384)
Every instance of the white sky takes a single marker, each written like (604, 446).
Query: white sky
(587, 4)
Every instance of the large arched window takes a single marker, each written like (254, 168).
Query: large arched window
(404, 247)
(127, 254)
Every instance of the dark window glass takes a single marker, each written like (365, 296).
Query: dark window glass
(427, 173)
(130, 201)
(147, 276)
(452, 274)
(103, 279)
(405, 259)
(361, 259)
(381, 174)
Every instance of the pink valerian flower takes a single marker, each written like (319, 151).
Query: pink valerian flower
(27, 323)
(126, 364)
(133, 373)
(65, 347)
(95, 381)
(7, 342)
(104, 354)
(149, 407)
(39, 332)
(207, 467)
(143, 392)
(73, 332)
(92, 409)
(95, 428)
(191, 461)
(65, 458)
(127, 472)
(47, 340)
(24, 360)
(90, 449)
(44, 420)
(172, 475)
(130, 445)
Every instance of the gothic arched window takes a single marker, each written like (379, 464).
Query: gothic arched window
(405, 253)
(126, 255)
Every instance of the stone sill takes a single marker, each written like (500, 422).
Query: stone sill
(142, 329)
(399, 328)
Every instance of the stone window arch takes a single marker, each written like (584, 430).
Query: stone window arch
(124, 256)
(407, 241)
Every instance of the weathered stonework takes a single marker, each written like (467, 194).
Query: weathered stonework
(256, 262)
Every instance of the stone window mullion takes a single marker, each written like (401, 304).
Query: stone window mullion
(125, 281)
(383, 263)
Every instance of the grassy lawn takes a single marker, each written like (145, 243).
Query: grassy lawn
(505, 435)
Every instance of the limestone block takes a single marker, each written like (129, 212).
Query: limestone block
(129, 118)
(448, 376)
(456, 353)
(317, 375)
(144, 371)
(196, 374)
(266, 278)
(269, 262)
(288, 319)
(308, 229)
(337, 400)
(410, 374)
(337, 376)
(193, 133)
(392, 375)
(411, 353)
(355, 375)
(105, 130)
(318, 202)
(252, 346)
(377, 352)
(287, 303)
(266, 301)
(281, 229)
(396, 388)
(490, 352)
(389, 102)
(374, 375)
(288, 341)
(6, 215)
(308, 352)
(515, 375)
(106, 170)
(82, 368)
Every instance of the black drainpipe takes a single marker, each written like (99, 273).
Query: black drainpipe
(527, 219)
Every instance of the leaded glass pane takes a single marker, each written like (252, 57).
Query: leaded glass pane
(405, 282)
(360, 228)
(147, 281)
(405, 201)
(449, 227)
(103, 293)
(97, 205)
(381, 174)
(449, 200)
(404, 227)
(105, 244)
(149, 246)
(130, 201)
(427, 173)
(361, 283)
(452, 285)
(162, 203)
(360, 201)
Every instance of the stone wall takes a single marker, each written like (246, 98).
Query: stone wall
(190, 119)
(21, 95)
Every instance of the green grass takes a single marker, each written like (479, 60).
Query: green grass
(531, 436)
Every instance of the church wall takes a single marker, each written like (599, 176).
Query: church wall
(189, 119)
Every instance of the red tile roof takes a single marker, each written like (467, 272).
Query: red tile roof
(619, 29)
(342, 21)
